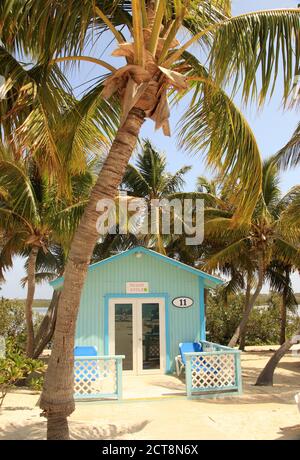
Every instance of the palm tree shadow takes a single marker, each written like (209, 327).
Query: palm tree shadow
(13, 408)
(290, 433)
(110, 431)
(78, 430)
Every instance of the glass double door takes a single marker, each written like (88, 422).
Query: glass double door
(136, 330)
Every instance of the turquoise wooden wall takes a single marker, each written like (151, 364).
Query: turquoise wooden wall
(108, 279)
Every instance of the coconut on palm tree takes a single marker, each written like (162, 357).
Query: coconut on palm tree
(156, 65)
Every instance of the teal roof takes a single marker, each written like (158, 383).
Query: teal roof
(210, 280)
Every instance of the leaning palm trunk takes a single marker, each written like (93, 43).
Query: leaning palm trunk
(243, 340)
(241, 327)
(29, 301)
(57, 399)
(46, 329)
(247, 299)
(283, 316)
(266, 376)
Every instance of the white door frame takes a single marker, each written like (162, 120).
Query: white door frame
(137, 342)
(111, 328)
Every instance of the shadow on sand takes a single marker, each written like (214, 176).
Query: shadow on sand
(291, 433)
(78, 430)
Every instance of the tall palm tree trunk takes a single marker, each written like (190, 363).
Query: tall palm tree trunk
(29, 300)
(241, 327)
(283, 317)
(266, 376)
(247, 299)
(57, 399)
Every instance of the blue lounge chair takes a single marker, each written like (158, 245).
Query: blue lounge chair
(85, 351)
(187, 347)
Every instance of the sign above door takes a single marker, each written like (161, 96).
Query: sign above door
(137, 287)
(182, 302)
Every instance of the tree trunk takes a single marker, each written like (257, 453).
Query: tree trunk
(57, 399)
(265, 378)
(29, 300)
(46, 329)
(283, 318)
(247, 300)
(57, 428)
(241, 327)
(243, 340)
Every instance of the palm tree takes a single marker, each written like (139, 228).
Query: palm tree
(154, 61)
(149, 180)
(266, 376)
(65, 139)
(279, 276)
(41, 118)
(287, 156)
(32, 219)
(49, 266)
(256, 248)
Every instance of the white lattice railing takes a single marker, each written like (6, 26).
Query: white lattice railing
(214, 370)
(98, 377)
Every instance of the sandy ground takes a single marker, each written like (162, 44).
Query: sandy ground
(261, 413)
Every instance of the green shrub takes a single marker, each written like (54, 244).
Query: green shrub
(36, 383)
(13, 324)
(12, 317)
(16, 368)
(263, 326)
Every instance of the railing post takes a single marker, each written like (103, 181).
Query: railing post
(238, 372)
(119, 364)
(188, 376)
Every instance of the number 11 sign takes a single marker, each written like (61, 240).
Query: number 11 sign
(182, 302)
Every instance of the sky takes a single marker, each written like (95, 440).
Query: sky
(272, 127)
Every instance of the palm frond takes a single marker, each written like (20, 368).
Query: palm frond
(35, 98)
(214, 126)
(280, 281)
(250, 49)
(134, 180)
(289, 155)
(58, 28)
(43, 277)
(175, 182)
(221, 227)
(286, 252)
(209, 199)
(87, 129)
(52, 261)
(235, 284)
(66, 220)
(11, 244)
(226, 255)
(21, 200)
(291, 215)
(271, 192)
(204, 184)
